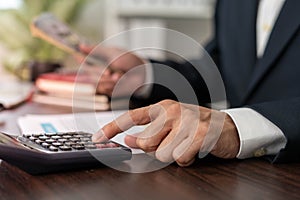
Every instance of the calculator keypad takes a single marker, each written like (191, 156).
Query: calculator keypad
(68, 141)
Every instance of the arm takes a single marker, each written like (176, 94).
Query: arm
(284, 114)
(177, 131)
(258, 135)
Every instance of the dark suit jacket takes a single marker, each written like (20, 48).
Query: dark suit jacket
(269, 85)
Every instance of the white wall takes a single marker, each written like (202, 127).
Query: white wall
(110, 17)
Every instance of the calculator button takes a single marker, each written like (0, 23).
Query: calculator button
(62, 140)
(43, 137)
(38, 141)
(86, 134)
(57, 144)
(50, 134)
(83, 143)
(74, 139)
(37, 134)
(78, 147)
(50, 141)
(52, 148)
(32, 138)
(70, 143)
(55, 137)
(67, 136)
(90, 146)
(46, 145)
(70, 133)
(22, 139)
(65, 148)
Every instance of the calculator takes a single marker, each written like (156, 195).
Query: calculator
(62, 151)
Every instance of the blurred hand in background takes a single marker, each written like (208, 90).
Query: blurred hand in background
(120, 66)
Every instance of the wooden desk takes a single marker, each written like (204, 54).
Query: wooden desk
(207, 179)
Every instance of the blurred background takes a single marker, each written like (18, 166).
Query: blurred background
(97, 20)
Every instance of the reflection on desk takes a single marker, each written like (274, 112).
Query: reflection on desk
(208, 179)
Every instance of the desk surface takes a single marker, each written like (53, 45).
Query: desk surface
(207, 179)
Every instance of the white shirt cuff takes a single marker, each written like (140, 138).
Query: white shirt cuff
(258, 135)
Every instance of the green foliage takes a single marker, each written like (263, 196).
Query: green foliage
(15, 32)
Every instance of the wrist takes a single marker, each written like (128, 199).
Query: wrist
(228, 144)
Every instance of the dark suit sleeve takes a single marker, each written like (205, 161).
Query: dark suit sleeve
(167, 72)
(212, 47)
(178, 81)
(286, 115)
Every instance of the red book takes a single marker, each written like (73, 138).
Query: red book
(98, 102)
(66, 83)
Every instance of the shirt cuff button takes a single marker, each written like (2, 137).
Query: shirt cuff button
(260, 152)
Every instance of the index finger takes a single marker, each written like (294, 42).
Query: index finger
(124, 122)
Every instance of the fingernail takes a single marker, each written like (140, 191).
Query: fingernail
(97, 136)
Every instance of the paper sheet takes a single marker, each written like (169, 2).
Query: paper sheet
(13, 93)
(88, 122)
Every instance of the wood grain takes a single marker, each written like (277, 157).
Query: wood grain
(210, 178)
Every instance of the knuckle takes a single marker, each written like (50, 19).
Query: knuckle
(184, 161)
(144, 144)
(114, 126)
(163, 156)
(176, 155)
(139, 115)
(134, 116)
(166, 102)
(183, 158)
(174, 109)
(110, 126)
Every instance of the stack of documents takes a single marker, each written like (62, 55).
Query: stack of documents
(13, 93)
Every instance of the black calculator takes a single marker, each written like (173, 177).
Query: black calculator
(53, 152)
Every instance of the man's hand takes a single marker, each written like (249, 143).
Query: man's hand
(118, 63)
(176, 131)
